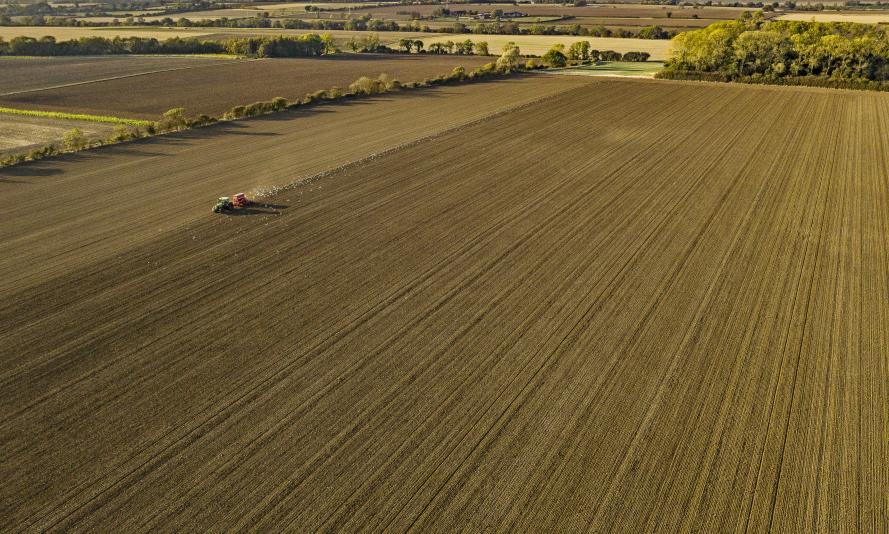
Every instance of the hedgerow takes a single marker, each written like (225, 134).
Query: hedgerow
(278, 46)
(175, 119)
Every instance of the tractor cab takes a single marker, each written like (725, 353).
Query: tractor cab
(239, 201)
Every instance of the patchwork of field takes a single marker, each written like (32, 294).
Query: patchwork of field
(31, 74)
(618, 16)
(211, 14)
(596, 10)
(631, 23)
(322, 6)
(531, 44)
(539, 44)
(20, 134)
(656, 307)
(62, 33)
(294, 9)
(217, 87)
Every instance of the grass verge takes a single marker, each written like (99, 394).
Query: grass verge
(73, 116)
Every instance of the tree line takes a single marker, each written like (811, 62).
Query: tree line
(280, 46)
(362, 23)
(582, 52)
(811, 53)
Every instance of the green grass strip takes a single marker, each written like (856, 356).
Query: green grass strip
(186, 56)
(74, 116)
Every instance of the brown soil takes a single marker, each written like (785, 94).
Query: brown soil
(217, 88)
(20, 74)
(19, 134)
(633, 306)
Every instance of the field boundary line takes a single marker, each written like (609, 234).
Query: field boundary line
(222, 61)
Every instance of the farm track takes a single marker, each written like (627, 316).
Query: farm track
(662, 313)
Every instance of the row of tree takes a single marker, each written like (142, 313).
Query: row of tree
(755, 48)
(583, 52)
(462, 48)
(281, 46)
(362, 23)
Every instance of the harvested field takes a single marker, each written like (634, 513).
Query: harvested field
(211, 14)
(30, 74)
(627, 69)
(65, 33)
(858, 16)
(20, 134)
(339, 36)
(322, 6)
(655, 307)
(596, 10)
(60, 33)
(625, 23)
(539, 44)
(275, 10)
(217, 88)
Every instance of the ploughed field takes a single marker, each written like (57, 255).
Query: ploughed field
(32, 74)
(19, 134)
(555, 303)
(219, 85)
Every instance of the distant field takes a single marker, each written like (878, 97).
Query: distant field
(539, 44)
(319, 5)
(611, 16)
(212, 14)
(30, 74)
(597, 10)
(20, 134)
(63, 33)
(631, 22)
(859, 17)
(60, 33)
(289, 10)
(216, 88)
(608, 15)
(626, 69)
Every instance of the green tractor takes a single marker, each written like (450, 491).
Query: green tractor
(224, 204)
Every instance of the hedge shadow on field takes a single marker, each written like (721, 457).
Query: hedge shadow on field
(4, 180)
(246, 127)
(36, 169)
